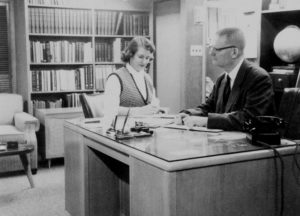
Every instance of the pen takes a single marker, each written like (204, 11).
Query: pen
(166, 117)
(126, 118)
(95, 121)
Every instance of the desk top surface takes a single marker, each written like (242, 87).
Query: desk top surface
(176, 145)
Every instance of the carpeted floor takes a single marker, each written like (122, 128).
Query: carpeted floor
(46, 199)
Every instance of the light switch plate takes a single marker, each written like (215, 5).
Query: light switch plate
(196, 50)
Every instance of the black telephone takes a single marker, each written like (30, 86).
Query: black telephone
(266, 129)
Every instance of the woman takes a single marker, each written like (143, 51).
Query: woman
(130, 87)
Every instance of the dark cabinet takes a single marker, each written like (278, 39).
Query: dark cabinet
(283, 74)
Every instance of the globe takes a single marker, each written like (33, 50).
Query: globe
(287, 44)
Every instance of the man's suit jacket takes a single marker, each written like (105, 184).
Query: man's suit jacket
(251, 95)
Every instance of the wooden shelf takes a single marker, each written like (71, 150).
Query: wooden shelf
(59, 6)
(61, 35)
(64, 92)
(85, 8)
(109, 63)
(54, 63)
(120, 36)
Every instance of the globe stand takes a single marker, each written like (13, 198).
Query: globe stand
(298, 81)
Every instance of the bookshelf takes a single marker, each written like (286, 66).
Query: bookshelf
(276, 16)
(71, 48)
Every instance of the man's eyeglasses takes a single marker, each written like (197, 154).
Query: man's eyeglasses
(214, 49)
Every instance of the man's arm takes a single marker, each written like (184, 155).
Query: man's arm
(258, 100)
(205, 108)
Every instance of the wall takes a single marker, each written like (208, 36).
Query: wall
(168, 55)
(193, 64)
(22, 49)
(224, 13)
(179, 76)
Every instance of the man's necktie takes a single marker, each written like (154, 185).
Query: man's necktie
(227, 91)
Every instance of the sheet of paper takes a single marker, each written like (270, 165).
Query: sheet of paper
(154, 122)
(163, 116)
(183, 127)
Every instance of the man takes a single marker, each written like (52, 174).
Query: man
(244, 90)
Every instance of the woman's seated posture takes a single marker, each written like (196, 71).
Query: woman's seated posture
(130, 87)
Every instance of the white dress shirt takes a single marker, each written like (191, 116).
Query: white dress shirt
(232, 74)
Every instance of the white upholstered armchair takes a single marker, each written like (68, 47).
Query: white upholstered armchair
(16, 125)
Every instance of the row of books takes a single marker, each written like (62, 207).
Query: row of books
(60, 21)
(62, 80)
(79, 21)
(111, 22)
(69, 100)
(108, 22)
(70, 80)
(60, 51)
(110, 50)
(72, 100)
(42, 104)
(101, 74)
(136, 24)
(104, 51)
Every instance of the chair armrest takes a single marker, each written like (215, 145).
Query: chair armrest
(23, 120)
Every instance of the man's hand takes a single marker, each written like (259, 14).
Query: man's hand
(192, 121)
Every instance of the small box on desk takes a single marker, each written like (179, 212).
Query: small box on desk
(12, 145)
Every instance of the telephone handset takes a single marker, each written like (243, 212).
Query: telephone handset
(265, 129)
(273, 122)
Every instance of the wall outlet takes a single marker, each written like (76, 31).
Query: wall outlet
(196, 50)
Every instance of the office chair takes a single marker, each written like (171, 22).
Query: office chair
(92, 105)
(289, 110)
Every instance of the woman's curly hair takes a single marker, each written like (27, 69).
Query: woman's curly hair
(133, 46)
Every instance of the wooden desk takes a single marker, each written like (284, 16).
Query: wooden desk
(173, 173)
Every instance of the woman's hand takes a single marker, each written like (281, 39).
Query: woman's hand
(146, 110)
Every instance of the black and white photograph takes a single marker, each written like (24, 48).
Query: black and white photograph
(149, 107)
